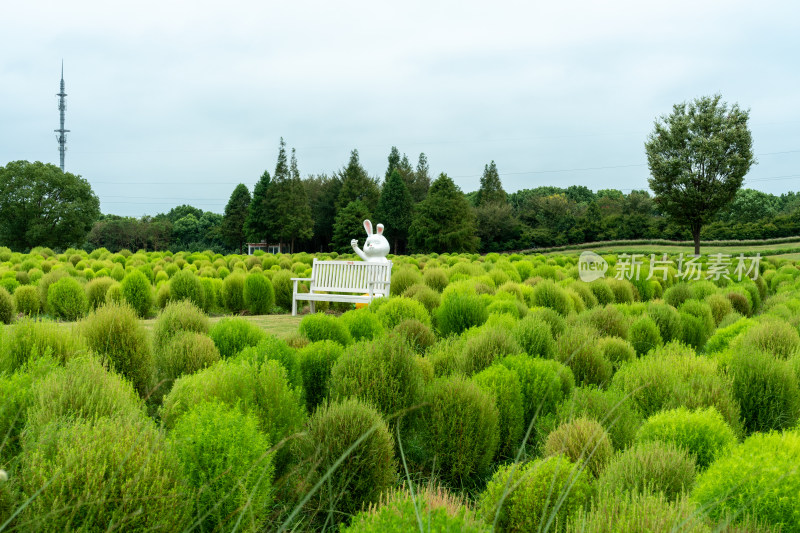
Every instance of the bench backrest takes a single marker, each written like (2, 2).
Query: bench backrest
(350, 276)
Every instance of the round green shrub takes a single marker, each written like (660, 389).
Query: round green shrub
(586, 294)
(382, 372)
(644, 335)
(32, 339)
(677, 294)
(435, 278)
(578, 349)
(424, 295)
(89, 474)
(667, 319)
(702, 433)
(650, 467)
(535, 496)
(81, 390)
(773, 336)
(223, 458)
(176, 317)
(137, 292)
(347, 427)
(766, 389)
(114, 293)
(608, 321)
(185, 352)
(602, 292)
(27, 300)
(693, 331)
(557, 323)
(259, 296)
(273, 348)
(702, 311)
(508, 306)
(741, 304)
(460, 310)
(44, 286)
(419, 336)
(184, 285)
(461, 432)
(233, 293)
(725, 335)
(114, 332)
(760, 477)
(284, 289)
(534, 336)
(617, 350)
(400, 511)
(66, 299)
(96, 291)
(547, 294)
(320, 327)
(8, 307)
(232, 335)
(720, 306)
(362, 324)
(403, 278)
(623, 290)
(504, 386)
(541, 384)
(316, 362)
(583, 441)
(673, 376)
(487, 346)
(399, 308)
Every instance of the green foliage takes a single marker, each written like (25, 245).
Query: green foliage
(176, 317)
(114, 332)
(234, 217)
(607, 320)
(504, 386)
(435, 278)
(355, 431)
(723, 337)
(319, 327)
(349, 224)
(720, 307)
(535, 496)
(578, 349)
(767, 390)
(316, 362)
(232, 335)
(26, 299)
(677, 294)
(424, 295)
(419, 336)
(43, 206)
(542, 387)
(184, 285)
(283, 287)
(273, 348)
(534, 337)
(184, 352)
(233, 293)
(362, 324)
(394, 210)
(488, 345)
(702, 433)
(259, 296)
(8, 307)
(773, 336)
(758, 476)
(673, 376)
(617, 350)
(400, 308)
(96, 291)
(137, 292)
(256, 224)
(547, 294)
(460, 310)
(444, 221)
(30, 339)
(644, 335)
(583, 441)
(650, 467)
(698, 156)
(382, 372)
(66, 299)
(87, 474)
(224, 460)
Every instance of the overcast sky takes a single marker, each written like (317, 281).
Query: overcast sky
(177, 102)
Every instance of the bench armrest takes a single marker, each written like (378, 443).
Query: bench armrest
(302, 279)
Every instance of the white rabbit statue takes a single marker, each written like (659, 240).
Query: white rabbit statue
(376, 247)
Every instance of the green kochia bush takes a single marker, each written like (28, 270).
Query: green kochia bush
(362, 324)
(645, 335)
(490, 344)
(66, 299)
(8, 307)
(184, 285)
(232, 335)
(535, 496)
(356, 431)
(548, 294)
(650, 467)
(667, 319)
(460, 429)
(137, 291)
(114, 332)
(541, 384)
(382, 372)
(186, 353)
(178, 317)
(534, 336)
(617, 351)
(224, 459)
(582, 441)
(399, 308)
(504, 386)
(233, 293)
(760, 476)
(773, 336)
(723, 337)
(461, 309)
(702, 433)
(30, 339)
(27, 301)
(96, 291)
(259, 296)
(320, 327)
(578, 349)
(87, 475)
(316, 361)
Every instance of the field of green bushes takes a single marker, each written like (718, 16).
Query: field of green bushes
(489, 393)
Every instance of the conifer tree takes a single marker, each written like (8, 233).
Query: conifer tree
(349, 225)
(357, 185)
(444, 221)
(257, 222)
(422, 180)
(491, 189)
(394, 210)
(235, 216)
(295, 213)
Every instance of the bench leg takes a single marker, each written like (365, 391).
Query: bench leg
(312, 307)
(294, 307)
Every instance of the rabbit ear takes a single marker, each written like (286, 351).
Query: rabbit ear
(380, 229)
(368, 227)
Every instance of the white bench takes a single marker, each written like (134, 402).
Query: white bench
(329, 279)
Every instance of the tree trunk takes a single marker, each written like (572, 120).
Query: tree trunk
(696, 236)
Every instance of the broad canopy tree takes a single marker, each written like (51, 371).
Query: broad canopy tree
(698, 157)
(42, 206)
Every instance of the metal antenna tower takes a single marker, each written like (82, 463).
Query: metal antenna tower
(62, 133)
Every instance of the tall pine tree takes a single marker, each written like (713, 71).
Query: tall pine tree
(234, 217)
(357, 185)
(444, 221)
(257, 222)
(422, 180)
(349, 225)
(394, 210)
(491, 189)
(295, 214)
(275, 196)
